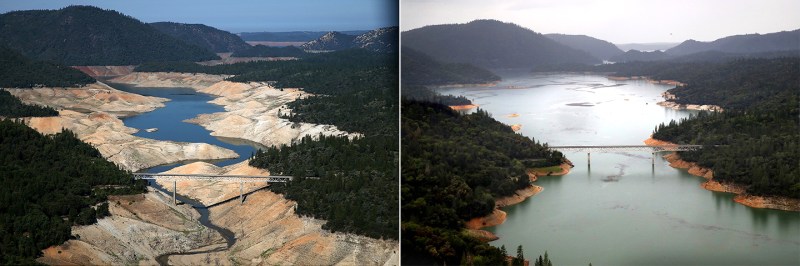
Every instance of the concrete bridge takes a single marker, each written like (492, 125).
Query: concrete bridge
(621, 148)
(226, 178)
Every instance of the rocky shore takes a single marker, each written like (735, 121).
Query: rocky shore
(779, 203)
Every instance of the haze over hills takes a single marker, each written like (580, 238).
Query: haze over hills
(647, 47)
(749, 43)
(420, 69)
(213, 39)
(88, 35)
(379, 40)
(596, 47)
(492, 44)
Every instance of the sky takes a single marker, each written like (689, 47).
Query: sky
(243, 16)
(616, 21)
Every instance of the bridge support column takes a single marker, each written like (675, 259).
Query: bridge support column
(589, 158)
(653, 159)
(241, 192)
(174, 191)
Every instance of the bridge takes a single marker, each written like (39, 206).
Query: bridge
(226, 178)
(622, 148)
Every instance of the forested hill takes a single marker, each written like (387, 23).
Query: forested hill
(17, 71)
(382, 40)
(757, 138)
(453, 166)
(598, 48)
(85, 35)
(214, 40)
(420, 69)
(492, 44)
(743, 44)
(270, 51)
(49, 184)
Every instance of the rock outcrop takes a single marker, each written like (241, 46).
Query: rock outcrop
(169, 79)
(253, 112)
(105, 71)
(94, 97)
(113, 139)
(140, 228)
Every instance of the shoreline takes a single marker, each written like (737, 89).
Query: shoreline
(753, 201)
(463, 107)
(474, 227)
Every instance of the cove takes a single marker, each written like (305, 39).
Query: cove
(622, 210)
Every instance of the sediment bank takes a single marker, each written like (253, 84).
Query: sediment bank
(763, 202)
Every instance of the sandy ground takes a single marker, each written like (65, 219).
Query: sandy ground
(463, 107)
(96, 97)
(105, 71)
(779, 203)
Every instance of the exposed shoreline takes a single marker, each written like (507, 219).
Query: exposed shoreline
(474, 226)
(463, 107)
(761, 202)
(669, 98)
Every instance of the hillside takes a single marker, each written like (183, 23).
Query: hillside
(290, 36)
(636, 55)
(744, 44)
(492, 44)
(596, 47)
(420, 69)
(379, 40)
(383, 40)
(85, 35)
(21, 72)
(268, 51)
(215, 40)
(333, 40)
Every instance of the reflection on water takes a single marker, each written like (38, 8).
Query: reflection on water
(626, 211)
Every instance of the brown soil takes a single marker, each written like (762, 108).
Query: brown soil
(771, 202)
(496, 218)
(512, 115)
(565, 167)
(516, 127)
(463, 107)
(481, 235)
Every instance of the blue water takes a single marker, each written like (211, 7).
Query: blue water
(185, 103)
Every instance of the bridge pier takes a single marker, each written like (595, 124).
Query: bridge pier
(174, 191)
(653, 159)
(589, 159)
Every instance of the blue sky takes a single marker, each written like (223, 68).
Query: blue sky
(240, 16)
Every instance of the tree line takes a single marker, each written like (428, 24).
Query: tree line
(21, 72)
(50, 183)
(453, 167)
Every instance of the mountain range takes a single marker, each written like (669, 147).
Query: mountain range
(596, 47)
(492, 44)
(85, 35)
(215, 40)
(379, 40)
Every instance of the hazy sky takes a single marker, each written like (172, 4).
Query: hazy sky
(616, 21)
(238, 16)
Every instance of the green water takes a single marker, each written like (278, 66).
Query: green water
(622, 210)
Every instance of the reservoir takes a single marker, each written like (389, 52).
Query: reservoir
(622, 210)
(185, 103)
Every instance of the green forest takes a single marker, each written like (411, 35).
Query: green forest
(87, 35)
(355, 90)
(49, 184)
(453, 167)
(756, 141)
(268, 51)
(21, 72)
(11, 106)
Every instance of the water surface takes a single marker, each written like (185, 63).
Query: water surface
(622, 210)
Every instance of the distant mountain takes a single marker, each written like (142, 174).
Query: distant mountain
(596, 47)
(380, 40)
(420, 69)
(647, 47)
(636, 55)
(215, 40)
(742, 44)
(492, 44)
(333, 40)
(291, 36)
(85, 35)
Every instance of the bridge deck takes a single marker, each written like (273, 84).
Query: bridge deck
(617, 148)
(236, 178)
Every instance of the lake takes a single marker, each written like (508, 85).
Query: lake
(185, 103)
(622, 210)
